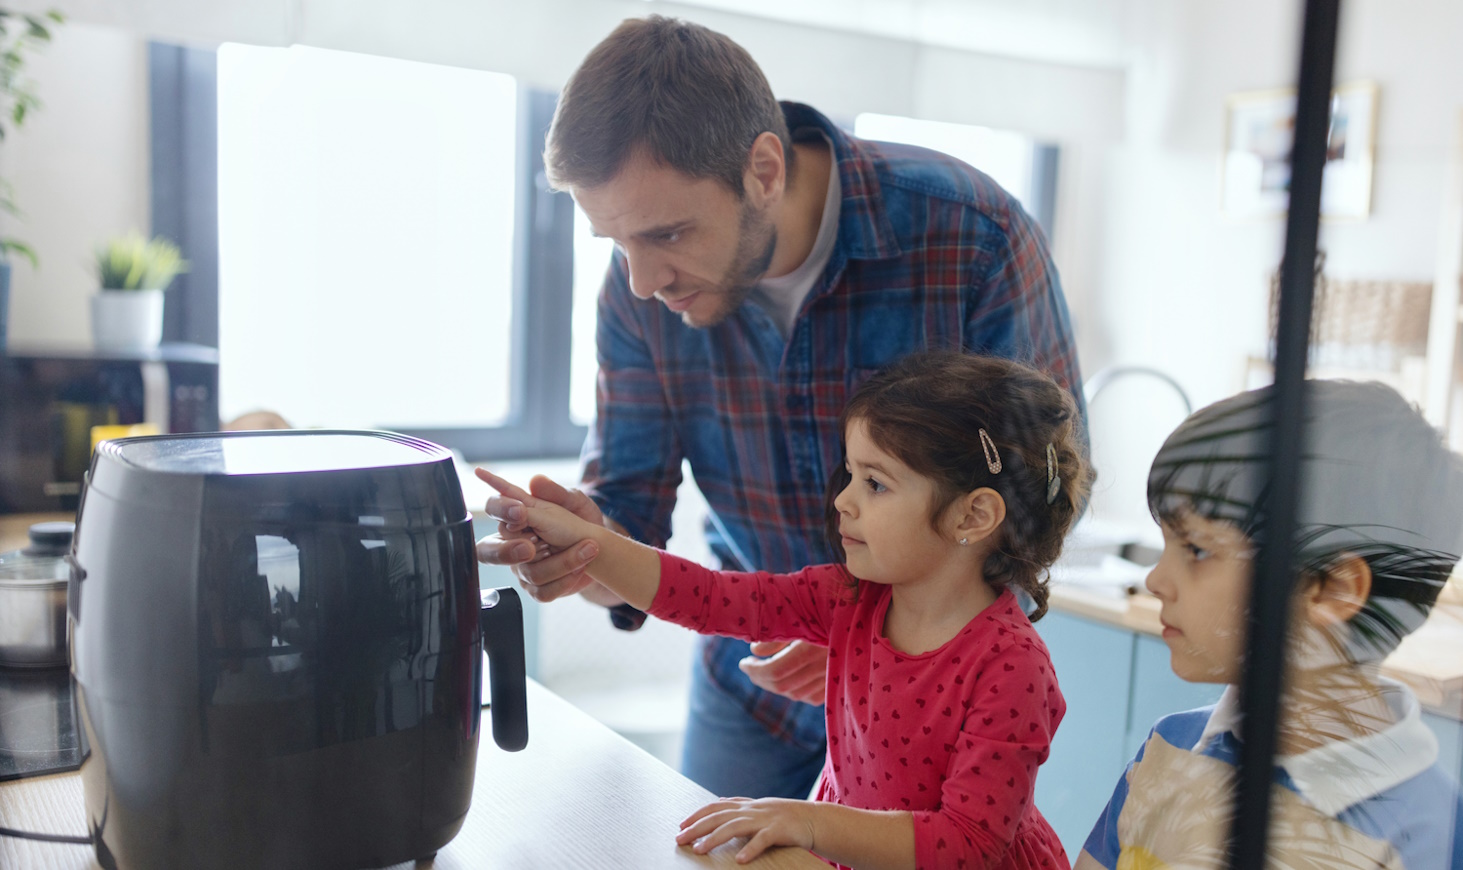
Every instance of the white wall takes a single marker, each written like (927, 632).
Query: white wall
(1185, 289)
(80, 171)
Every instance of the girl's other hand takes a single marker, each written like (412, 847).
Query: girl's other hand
(767, 821)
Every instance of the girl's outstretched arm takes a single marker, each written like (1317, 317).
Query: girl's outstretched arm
(861, 839)
(628, 568)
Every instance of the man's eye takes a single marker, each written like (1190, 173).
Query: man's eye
(671, 238)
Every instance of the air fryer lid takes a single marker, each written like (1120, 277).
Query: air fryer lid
(321, 475)
(273, 452)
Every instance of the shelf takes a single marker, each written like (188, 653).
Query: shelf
(168, 352)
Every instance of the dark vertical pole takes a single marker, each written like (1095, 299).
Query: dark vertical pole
(1274, 580)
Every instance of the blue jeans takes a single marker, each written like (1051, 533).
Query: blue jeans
(742, 741)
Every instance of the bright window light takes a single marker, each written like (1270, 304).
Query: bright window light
(591, 261)
(1001, 154)
(366, 211)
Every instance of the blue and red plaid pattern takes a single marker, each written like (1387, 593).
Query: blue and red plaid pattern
(931, 253)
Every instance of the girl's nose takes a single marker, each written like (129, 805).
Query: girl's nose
(842, 502)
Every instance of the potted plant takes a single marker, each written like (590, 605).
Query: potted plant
(132, 273)
(19, 34)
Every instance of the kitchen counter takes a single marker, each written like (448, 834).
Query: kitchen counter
(580, 796)
(1429, 661)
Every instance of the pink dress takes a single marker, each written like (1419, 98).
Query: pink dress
(954, 735)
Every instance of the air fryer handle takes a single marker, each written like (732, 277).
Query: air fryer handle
(501, 624)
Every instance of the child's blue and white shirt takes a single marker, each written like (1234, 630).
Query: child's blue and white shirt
(1377, 802)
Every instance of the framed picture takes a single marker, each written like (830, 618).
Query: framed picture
(1259, 130)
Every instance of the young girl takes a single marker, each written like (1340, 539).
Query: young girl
(961, 477)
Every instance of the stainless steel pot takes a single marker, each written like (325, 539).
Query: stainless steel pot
(33, 599)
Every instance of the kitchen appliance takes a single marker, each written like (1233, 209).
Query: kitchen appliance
(276, 639)
(51, 397)
(33, 599)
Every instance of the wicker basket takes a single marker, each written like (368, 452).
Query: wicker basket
(1363, 324)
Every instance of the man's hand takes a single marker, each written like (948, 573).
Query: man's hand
(545, 573)
(797, 670)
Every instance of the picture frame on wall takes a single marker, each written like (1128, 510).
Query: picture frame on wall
(1259, 129)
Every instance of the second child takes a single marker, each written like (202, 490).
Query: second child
(962, 477)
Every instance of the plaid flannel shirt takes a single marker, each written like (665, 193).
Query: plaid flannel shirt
(931, 253)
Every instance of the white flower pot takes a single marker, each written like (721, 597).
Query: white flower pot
(127, 319)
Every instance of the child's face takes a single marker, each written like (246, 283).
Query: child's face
(1203, 583)
(884, 515)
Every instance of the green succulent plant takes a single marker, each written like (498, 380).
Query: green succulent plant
(131, 262)
(20, 33)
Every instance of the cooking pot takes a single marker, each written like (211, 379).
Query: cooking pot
(33, 599)
(277, 639)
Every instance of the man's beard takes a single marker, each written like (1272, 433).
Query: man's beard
(756, 242)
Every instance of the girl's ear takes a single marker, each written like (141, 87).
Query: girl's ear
(980, 513)
(1340, 592)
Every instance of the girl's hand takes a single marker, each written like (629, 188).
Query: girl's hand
(768, 822)
(554, 525)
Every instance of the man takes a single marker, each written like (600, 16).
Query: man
(766, 262)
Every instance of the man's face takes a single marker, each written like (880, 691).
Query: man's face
(689, 242)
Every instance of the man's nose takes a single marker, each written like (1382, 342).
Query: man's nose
(648, 274)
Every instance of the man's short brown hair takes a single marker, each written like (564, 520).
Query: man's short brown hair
(689, 96)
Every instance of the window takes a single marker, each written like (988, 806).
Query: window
(591, 260)
(366, 226)
(1021, 165)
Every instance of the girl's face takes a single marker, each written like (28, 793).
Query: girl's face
(1202, 581)
(884, 516)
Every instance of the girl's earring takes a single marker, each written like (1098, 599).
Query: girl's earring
(964, 541)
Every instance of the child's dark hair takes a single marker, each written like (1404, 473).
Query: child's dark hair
(928, 409)
(1377, 482)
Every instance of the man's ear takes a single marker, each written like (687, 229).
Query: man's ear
(978, 514)
(766, 175)
(1340, 592)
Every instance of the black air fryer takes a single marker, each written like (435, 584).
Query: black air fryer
(277, 643)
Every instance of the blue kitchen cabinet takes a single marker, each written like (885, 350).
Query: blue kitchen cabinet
(1094, 668)
(1158, 691)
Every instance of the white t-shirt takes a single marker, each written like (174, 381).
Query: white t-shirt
(782, 296)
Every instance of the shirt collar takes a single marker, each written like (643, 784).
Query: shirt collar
(864, 230)
(1343, 773)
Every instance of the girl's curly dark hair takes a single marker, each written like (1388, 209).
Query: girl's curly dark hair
(927, 411)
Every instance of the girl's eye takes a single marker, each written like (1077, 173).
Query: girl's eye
(1197, 553)
(874, 485)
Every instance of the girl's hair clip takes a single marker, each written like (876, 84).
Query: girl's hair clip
(1053, 476)
(992, 457)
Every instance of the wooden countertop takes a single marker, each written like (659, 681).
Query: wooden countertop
(580, 796)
